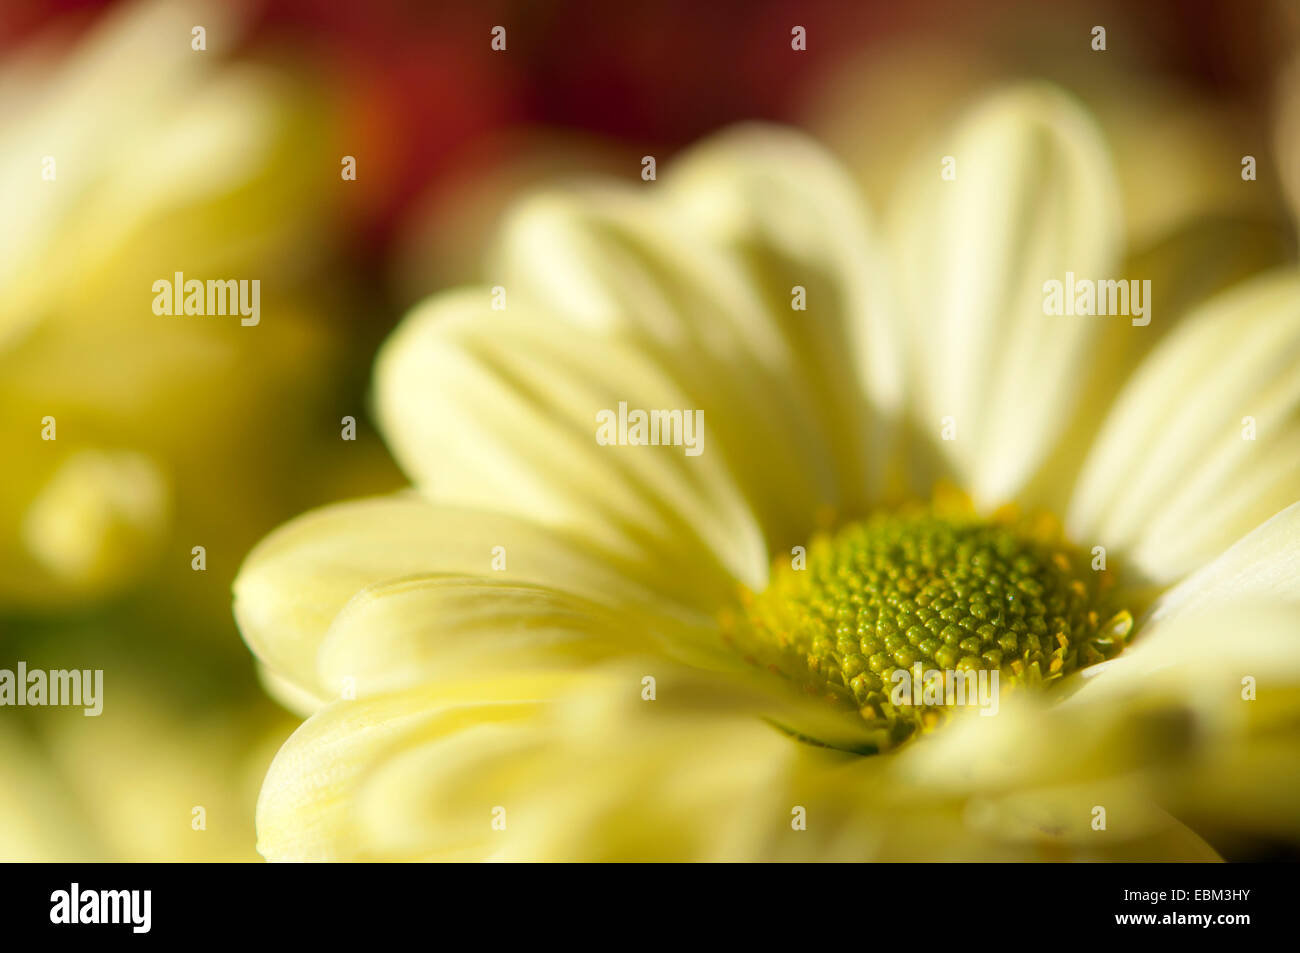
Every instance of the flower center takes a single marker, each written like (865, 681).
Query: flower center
(909, 613)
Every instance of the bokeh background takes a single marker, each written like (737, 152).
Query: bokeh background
(183, 432)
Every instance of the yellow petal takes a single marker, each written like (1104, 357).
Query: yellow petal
(583, 767)
(1264, 566)
(307, 807)
(297, 580)
(1229, 673)
(501, 410)
(434, 629)
(794, 220)
(1204, 442)
(700, 271)
(558, 767)
(1033, 197)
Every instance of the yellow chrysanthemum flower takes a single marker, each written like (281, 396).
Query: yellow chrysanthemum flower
(557, 648)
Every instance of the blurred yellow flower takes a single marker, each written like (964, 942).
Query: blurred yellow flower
(144, 781)
(124, 160)
(132, 437)
(546, 650)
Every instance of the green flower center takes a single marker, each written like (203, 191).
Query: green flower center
(905, 614)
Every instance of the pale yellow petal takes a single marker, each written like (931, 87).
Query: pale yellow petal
(700, 270)
(798, 226)
(434, 629)
(557, 767)
(297, 580)
(1263, 565)
(502, 410)
(307, 807)
(586, 767)
(1204, 442)
(1032, 198)
(1226, 675)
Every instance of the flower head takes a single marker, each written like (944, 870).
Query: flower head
(557, 648)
